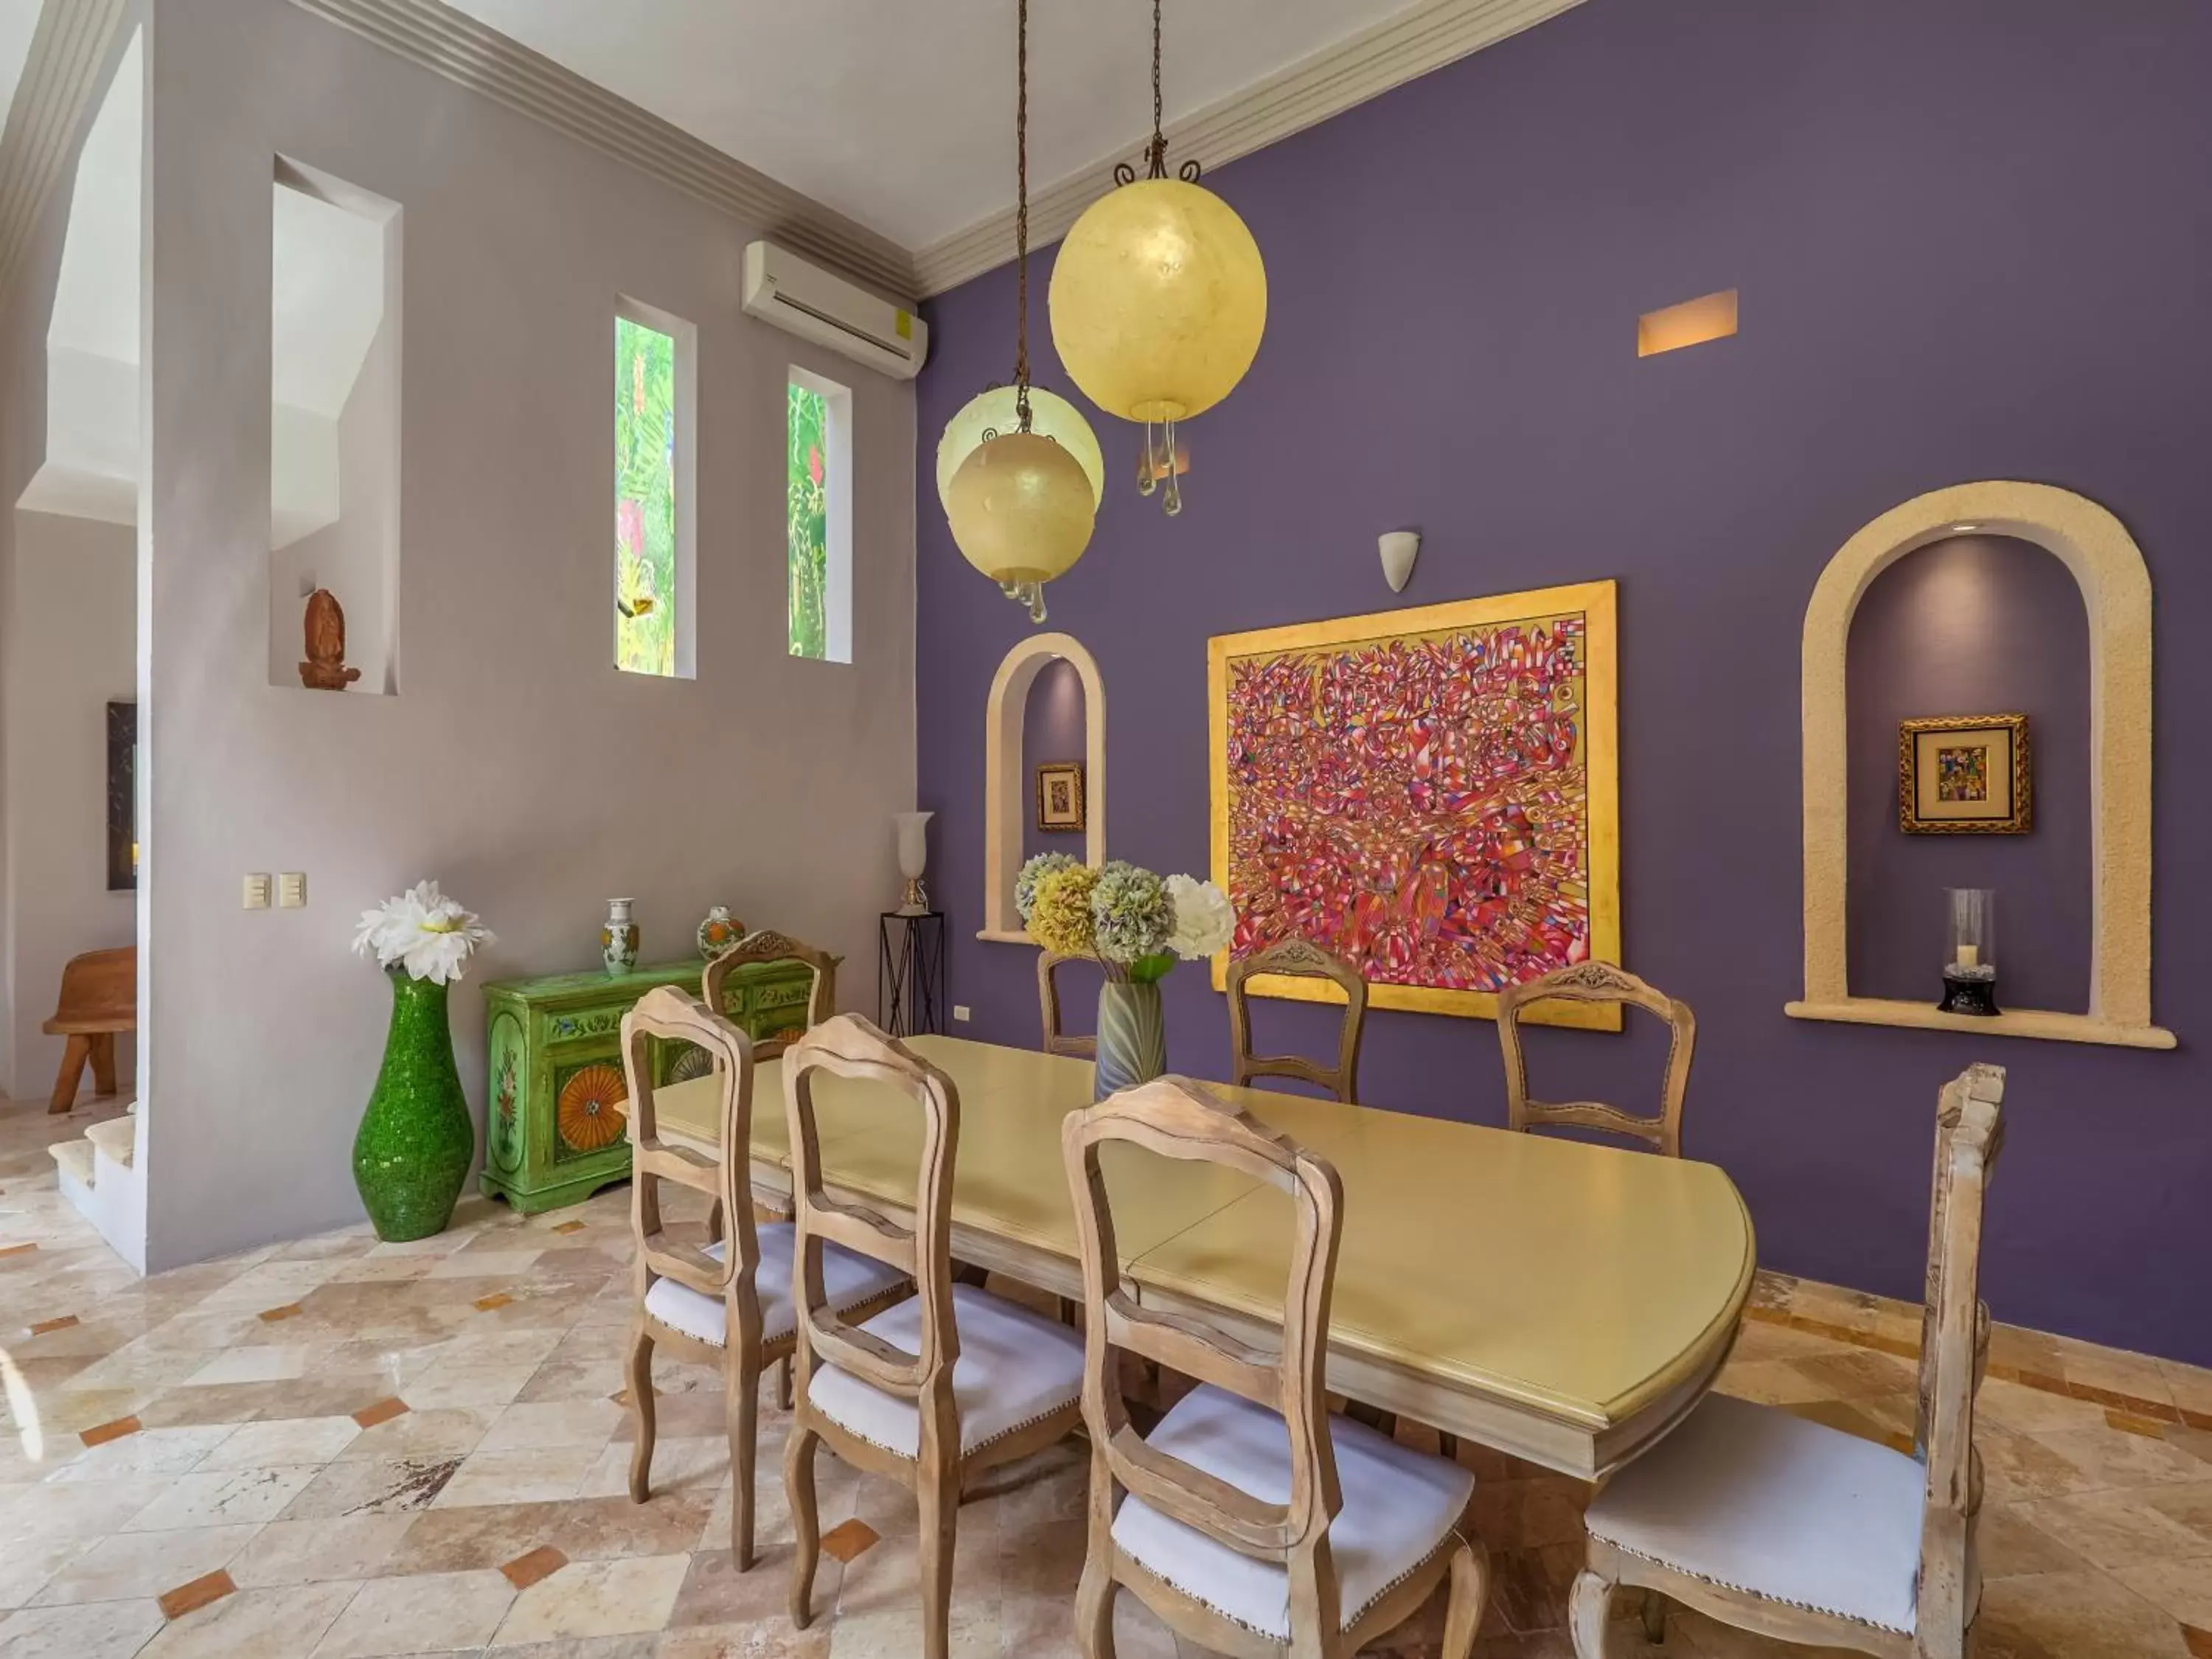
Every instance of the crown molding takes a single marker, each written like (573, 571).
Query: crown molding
(435, 35)
(60, 76)
(1423, 38)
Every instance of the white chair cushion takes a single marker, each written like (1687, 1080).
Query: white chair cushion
(848, 1279)
(1758, 1499)
(1399, 1505)
(1015, 1368)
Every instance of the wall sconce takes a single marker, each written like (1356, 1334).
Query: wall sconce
(1398, 549)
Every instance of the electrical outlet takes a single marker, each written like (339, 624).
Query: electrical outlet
(960, 1012)
(291, 889)
(257, 892)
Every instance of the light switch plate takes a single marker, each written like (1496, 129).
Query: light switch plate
(960, 1012)
(257, 891)
(291, 889)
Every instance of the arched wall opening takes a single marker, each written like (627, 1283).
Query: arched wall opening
(2108, 568)
(1007, 774)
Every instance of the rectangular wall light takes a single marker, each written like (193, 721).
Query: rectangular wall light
(1694, 322)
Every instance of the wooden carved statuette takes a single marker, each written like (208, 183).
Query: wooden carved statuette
(325, 668)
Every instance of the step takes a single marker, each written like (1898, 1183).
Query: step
(74, 1157)
(116, 1137)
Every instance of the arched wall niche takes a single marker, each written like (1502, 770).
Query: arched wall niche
(2115, 584)
(1006, 791)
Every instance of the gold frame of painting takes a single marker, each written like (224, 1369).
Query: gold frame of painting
(1597, 602)
(1914, 813)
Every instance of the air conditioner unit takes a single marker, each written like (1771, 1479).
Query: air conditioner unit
(804, 300)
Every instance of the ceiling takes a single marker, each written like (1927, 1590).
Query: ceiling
(907, 127)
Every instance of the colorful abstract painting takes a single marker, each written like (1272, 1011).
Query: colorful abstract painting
(1430, 793)
(807, 497)
(645, 499)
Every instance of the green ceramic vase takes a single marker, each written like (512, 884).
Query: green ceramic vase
(416, 1139)
(1133, 1044)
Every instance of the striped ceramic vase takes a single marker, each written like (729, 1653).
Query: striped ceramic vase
(1133, 1045)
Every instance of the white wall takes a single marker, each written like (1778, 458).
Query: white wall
(516, 764)
(73, 647)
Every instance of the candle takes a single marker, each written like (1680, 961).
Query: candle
(1970, 956)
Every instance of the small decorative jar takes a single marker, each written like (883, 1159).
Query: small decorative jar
(719, 932)
(619, 938)
(1970, 967)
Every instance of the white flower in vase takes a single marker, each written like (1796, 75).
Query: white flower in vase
(422, 931)
(1204, 918)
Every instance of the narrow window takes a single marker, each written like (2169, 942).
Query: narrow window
(654, 380)
(819, 509)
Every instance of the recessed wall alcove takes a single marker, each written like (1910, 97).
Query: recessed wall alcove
(2108, 568)
(1007, 782)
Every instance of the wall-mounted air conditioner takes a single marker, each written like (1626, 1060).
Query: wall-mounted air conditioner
(804, 300)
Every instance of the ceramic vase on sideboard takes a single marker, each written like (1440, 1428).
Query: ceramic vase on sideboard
(416, 1140)
(619, 937)
(1132, 1045)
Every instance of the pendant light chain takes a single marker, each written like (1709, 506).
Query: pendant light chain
(1159, 163)
(1022, 216)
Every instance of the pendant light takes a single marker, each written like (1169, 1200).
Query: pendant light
(1160, 298)
(1021, 503)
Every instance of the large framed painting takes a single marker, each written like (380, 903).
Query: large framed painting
(1432, 793)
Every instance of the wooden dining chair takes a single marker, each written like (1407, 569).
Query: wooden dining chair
(766, 944)
(1598, 982)
(1049, 963)
(1249, 1520)
(1301, 959)
(941, 1386)
(1777, 1524)
(727, 1304)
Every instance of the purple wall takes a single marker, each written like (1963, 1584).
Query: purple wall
(1052, 730)
(1971, 241)
(1975, 625)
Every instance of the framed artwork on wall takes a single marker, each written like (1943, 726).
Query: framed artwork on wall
(1965, 774)
(122, 797)
(1060, 796)
(1431, 793)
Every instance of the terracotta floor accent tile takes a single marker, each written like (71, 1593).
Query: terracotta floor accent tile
(848, 1540)
(540, 1563)
(101, 1433)
(289, 1310)
(2196, 1419)
(2198, 1642)
(2150, 1426)
(382, 1411)
(190, 1598)
(46, 1325)
(569, 1227)
(497, 1299)
(16, 1250)
(2136, 1405)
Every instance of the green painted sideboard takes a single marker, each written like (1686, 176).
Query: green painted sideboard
(558, 1118)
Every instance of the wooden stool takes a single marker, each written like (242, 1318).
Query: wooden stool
(99, 997)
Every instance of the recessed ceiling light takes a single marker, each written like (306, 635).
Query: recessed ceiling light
(1965, 529)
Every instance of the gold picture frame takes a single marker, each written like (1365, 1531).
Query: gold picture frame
(1059, 804)
(1572, 799)
(1965, 774)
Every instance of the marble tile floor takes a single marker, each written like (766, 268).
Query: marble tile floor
(339, 1448)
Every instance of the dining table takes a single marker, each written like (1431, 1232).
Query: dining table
(1563, 1301)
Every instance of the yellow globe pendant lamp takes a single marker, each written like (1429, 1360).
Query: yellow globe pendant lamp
(1160, 298)
(989, 413)
(1021, 503)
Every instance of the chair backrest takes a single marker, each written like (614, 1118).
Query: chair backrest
(1049, 963)
(850, 1046)
(1599, 982)
(1175, 1118)
(100, 985)
(666, 1014)
(1298, 958)
(1955, 1343)
(766, 944)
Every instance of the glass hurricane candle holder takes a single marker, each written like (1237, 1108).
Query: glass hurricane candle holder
(1970, 967)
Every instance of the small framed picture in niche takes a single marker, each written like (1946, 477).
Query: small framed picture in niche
(1965, 774)
(122, 796)
(1059, 795)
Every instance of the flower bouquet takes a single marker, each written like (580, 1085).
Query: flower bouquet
(416, 1139)
(1137, 925)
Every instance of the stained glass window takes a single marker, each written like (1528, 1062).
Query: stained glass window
(645, 499)
(807, 506)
